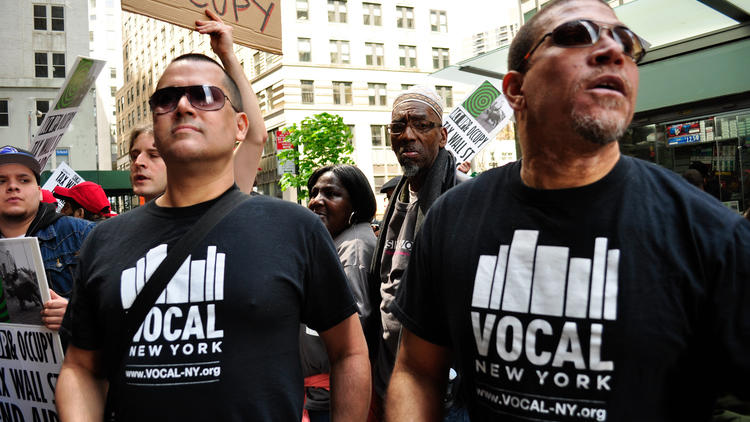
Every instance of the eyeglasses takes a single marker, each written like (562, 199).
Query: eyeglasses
(585, 33)
(421, 126)
(202, 97)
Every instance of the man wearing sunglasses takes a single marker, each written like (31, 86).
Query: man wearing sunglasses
(222, 342)
(576, 284)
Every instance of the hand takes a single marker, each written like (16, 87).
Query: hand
(464, 167)
(54, 309)
(222, 42)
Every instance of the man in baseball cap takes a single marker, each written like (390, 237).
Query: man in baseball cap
(23, 214)
(85, 200)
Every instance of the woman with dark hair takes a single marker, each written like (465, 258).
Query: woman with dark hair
(341, 196)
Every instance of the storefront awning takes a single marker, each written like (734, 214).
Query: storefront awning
(114, 182)
(660, 22)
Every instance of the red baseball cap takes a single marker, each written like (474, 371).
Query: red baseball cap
(89, 195)
(48, 197)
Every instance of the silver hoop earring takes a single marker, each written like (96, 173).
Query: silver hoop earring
(351, 218)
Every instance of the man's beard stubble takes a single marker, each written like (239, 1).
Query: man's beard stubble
(409, 168)
(600, 129)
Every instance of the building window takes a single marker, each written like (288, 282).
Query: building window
(337, 11)
(303, 10)
(4, 115)
(308, 92)
(380, 137)
(405, 17)
(269, 98)
(40, 17)
(113, 72)
(113, 90)
(377, 94)
(371, 14)
(40, 65)
(339, 52)
(342, 93)
(42, 107)
(373, 54)
(256, 63)
(407, 56)
(440, 58)
(58, 18)
(304, 49)
(58, 65)
(438, 21)
(447, 93)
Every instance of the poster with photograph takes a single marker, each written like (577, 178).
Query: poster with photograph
(69, 98)
(30, 354)
(476, 121)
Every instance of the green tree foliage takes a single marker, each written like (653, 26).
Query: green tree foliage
(319, 140)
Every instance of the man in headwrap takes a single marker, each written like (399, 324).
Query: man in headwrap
(418, 140)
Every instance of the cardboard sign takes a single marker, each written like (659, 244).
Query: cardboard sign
(77, 84)
(476, 121)
(256, 23)
(30, 354)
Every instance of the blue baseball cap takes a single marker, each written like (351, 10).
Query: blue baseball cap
(12, 155)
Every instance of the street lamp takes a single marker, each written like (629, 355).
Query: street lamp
(32, 114)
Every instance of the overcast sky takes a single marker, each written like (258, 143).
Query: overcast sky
(474, 16)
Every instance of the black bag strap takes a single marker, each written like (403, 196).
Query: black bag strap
(158, 281)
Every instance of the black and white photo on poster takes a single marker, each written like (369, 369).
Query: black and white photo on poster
(24, 281)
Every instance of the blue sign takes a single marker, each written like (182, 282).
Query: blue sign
(687, 139)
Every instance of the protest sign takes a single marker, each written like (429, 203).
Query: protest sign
(30, 359)
(69, 98)
(30, 354)
(62, 176)
(256, 23)
(476, 121)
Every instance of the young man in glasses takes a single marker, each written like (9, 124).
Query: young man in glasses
(577, 284)
(417, 139)
(222, 342)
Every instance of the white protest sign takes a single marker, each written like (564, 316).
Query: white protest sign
(476, 121)
(69, 98)
(62, 176)
(30, 359)
(30, 354)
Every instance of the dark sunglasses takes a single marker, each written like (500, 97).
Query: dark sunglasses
(585, 33)
(202, 97)
(421, 126)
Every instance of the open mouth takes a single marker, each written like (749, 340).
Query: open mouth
(609, 83)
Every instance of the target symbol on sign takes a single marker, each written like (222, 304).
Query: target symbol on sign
(481, 99)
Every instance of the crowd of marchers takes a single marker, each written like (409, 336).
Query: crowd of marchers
(575, 284)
